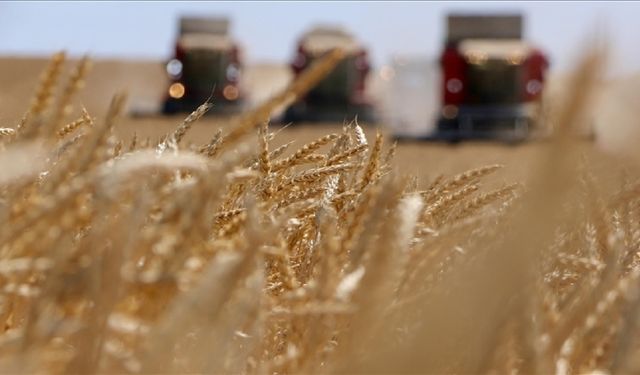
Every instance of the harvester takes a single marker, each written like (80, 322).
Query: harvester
(492, 80)
(342, 94)
(206, 66)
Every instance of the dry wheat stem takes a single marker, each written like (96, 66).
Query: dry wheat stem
(116, 257)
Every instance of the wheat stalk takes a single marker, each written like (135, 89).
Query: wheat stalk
(74, 84)
(117, 258)
(304, 151)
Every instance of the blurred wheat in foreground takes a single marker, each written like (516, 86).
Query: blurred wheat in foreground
(237, 256)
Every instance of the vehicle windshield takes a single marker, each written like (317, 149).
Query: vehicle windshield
(493, 82)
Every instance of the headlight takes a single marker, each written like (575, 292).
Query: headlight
(230, 92)
(233, 73)
(176, 90)
(477, 58)
(174, 68)
(449, 111)
(454, 85)
(534, 86)
(515, 59)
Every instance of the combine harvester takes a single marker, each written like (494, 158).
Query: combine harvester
(206, 65)
(342, 94)
(492, 81)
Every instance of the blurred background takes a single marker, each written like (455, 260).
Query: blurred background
(132, 41)
(268, 30)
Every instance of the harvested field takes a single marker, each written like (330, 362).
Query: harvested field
(209, 245)
(145, 82)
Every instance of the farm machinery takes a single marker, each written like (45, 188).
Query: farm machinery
(342, 94)
(492, 80)
(206, 65)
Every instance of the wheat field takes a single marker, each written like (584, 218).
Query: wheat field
(245, 248)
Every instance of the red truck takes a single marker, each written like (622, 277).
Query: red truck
(492, 80)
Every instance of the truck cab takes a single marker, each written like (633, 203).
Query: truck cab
(341, 95)
(206, 65)
(492, 80)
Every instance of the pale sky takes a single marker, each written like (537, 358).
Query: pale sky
(268, 30)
